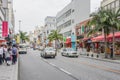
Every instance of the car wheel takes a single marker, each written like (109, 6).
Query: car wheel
(67, 54)
(41, 55)
(62, 54)
(53, 56)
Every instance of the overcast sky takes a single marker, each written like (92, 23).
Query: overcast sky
(33, 12)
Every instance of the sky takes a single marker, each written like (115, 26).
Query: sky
(33, 12)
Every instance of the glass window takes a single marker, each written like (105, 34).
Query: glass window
(117, 3)
(112, 5)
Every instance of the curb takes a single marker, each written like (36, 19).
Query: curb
(15, 71)
(102, 59)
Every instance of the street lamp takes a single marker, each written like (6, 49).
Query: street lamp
(19, 29)
(19, 25)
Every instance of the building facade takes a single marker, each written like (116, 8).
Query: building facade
(75, 12)
(3, 3)
(11, 18)
(6, 14)
(50, 24)
(111, 4)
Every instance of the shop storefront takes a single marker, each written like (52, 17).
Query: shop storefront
(68, 42)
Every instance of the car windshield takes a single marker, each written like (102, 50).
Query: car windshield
(49, 49)
(21, 46)
(70, 49)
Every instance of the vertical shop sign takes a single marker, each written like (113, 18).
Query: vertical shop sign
(4, 29)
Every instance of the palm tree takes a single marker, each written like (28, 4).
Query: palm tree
(100, 21)
(114, 23)
(55, 35)
(23, 36)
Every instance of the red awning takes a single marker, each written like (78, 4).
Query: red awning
(68, 40)
(117, 35)
(98, 38)
(109, 37)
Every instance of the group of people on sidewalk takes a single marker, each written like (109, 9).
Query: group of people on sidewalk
(8, 54)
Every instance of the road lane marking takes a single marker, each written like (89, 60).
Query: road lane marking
(65, 71)
(102, 67)
(97, 66)
(52, 64)
(61, 69)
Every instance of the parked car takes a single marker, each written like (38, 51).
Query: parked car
(48, 52)
(41, 48)
(69, 52)
(22, 49)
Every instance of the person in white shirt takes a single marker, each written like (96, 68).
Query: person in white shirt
(8, 56)
(1, 54)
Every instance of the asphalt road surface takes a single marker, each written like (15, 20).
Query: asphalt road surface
(33, 67)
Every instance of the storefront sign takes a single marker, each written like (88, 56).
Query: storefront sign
(4, 29)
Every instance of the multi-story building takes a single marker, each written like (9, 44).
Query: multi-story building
(75, 12)
(2, 14)
(11, 18)
(111, 4)
(6, 14)
(50, 24)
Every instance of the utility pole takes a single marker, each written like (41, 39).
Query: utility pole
(19, 29)
(19, 25)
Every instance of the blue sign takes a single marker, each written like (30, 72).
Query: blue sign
(73, 38)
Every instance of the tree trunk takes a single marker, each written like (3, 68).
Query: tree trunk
(113, 52)
(105, 41)
(56, 46)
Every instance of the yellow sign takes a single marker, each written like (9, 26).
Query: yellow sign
(18, 39)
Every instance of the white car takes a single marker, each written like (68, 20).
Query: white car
(48, 52)
(69, 52)
(22, 49)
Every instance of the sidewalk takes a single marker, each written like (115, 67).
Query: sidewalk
(100, 57)
(9, 72)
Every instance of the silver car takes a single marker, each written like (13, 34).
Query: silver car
(69, 52)
(48, 52)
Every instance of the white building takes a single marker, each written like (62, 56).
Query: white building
(6, 13)
(3, 3)
(111, 4)
(50, 24)
(75, 12)
(11, 18)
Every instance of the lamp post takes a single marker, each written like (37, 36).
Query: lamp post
(19, 29)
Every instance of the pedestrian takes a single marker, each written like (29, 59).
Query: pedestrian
(111, 49)
(14, 54)
(8, 56)
(1, 55)
(4, 52)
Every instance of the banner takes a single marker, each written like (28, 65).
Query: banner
(4, 29)
(18, 39)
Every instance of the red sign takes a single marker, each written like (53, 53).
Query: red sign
(4, 29)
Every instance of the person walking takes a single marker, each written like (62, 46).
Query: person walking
(111, 54)
(4, 52)
(14, 54)
(1, 54)
(8, 56)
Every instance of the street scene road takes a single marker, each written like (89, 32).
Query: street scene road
(33, 67)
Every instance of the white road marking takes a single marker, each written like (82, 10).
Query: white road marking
(65, 71)
(52, 64)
